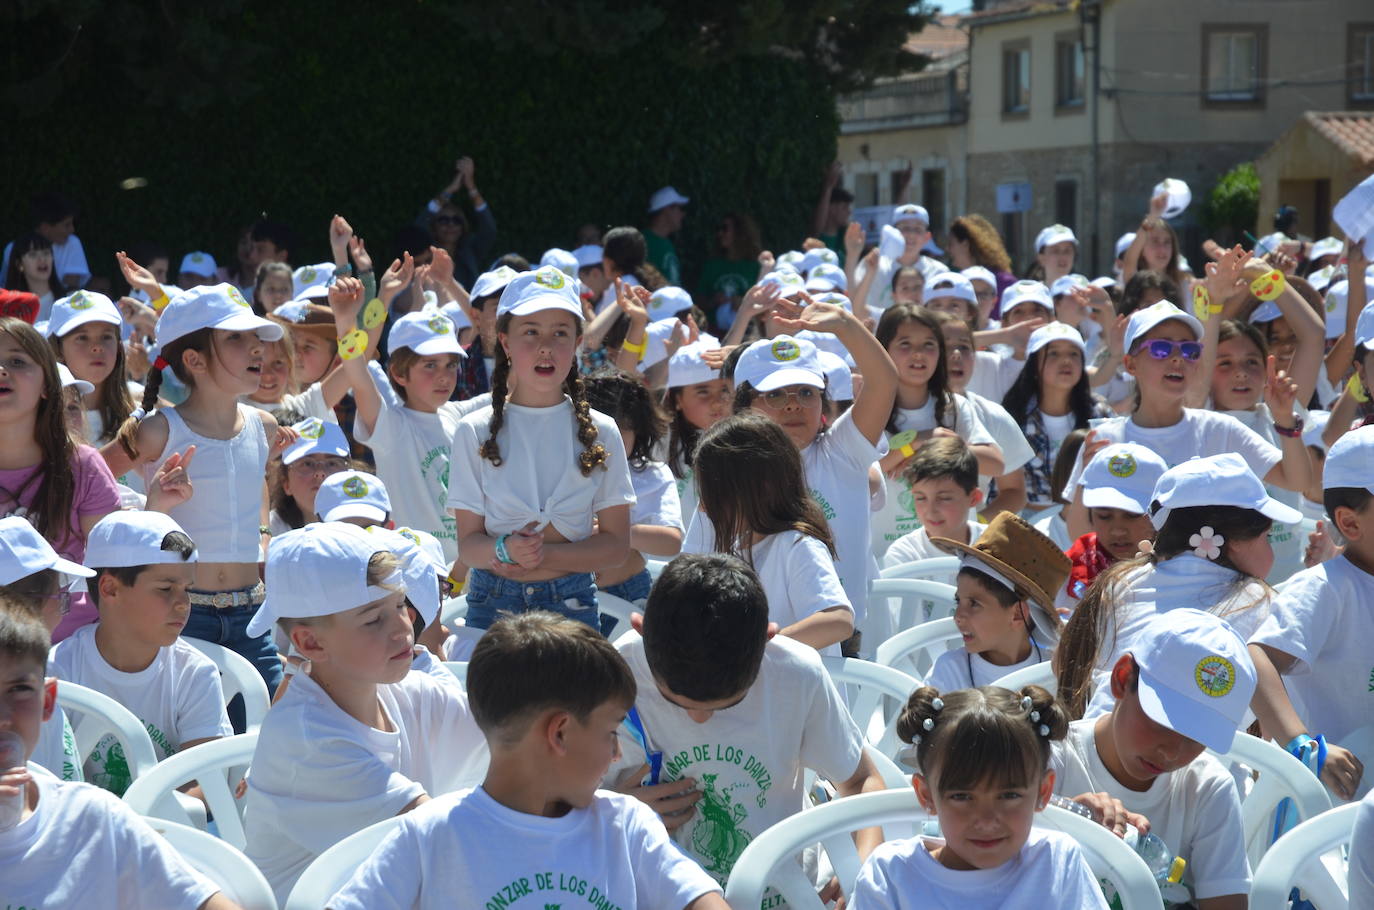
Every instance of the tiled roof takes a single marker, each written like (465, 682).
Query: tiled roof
(941, 37)
(1350, 131)
(1015, 9)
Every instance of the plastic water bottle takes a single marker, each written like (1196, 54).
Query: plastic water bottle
(11, 756)
(1166, 868)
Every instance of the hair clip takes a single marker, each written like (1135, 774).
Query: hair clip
(1035, 717)
(1026, 703)
(1206, 543)
(1044, 730)
(138, 413)
(937, 704)
(927, 725)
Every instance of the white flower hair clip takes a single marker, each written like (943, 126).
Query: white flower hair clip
(1206, 543)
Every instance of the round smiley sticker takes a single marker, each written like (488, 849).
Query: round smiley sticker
(354, 488)
(1215, 676)
(1121, 465)
(785, 349)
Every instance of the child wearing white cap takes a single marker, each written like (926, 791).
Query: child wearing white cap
(320, 451)
(540, 486)
(144, 567)
(696, 397)
(1183, 686)
(1056, 248)
(1026, 305)
(873, 276)
(1211, 553)
(197, 269)
(213, 343)
(357, 737)
(951, 292)
(84, 330)
(1314, 646)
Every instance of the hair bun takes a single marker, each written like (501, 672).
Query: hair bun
(1045, 712)
(921, 709)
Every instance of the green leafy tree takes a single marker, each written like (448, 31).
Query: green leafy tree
(1232, 206)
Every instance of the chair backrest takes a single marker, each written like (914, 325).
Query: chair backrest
(453, 609)
(334, 867)
(94, 716)
(655, 567)
(1279, 778)
(937, 568)
(1041, 674)
(458, 668)
(896, 604)
(217, 766)
(237, 677)
(618, 607)
(770, 859)
(1298, 860)
(915, 650)
(223, 864)
(877, 695)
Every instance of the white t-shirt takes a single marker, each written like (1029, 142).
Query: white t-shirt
(56, 749)
(880, 291)
(293, 408)
(1288, 541)
(1362, 856)
(986, 381)
(539, 479)
(1195, 810)
(1322, 619)
(466, 848)
(177, 698)
(83, 847)
(1199, 433)
(1057, 429)
(686, 496)
(916, 545)
(1056, 529)
(958, 669)
(747, 759)
(319, 775)
(656, 500)
(95, 424)
(1050, 869)
(798, 577)
(1006, 433)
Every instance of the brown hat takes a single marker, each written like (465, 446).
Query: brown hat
(298, 315)
(1011, 548)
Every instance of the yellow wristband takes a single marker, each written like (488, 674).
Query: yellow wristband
(902, 442)
(907, 451)
(160, 303)
(633, 348)
(1269, 285)
(1202, 302)
(353, 345)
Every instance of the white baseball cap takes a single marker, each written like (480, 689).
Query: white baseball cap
(826, 277)
(1177, 196)
(545, 288)
(133, 538)
(1267, 311)
(352, 494)
(426, 332)
(1364, 327)
(910, 212)
(836, 298)
(560, 259)
(665, 197)
(1051, 332)
(319, 570)
(979, 273)
(1027, 289)
(79, 308)
(213, 306)
(822, 255)
(1271, 242)
(23, 551)
(952, 284)
(318, 437)
(793, 258)
(1123, 243)
(839, 381)
(198, 263)
(69, 379)
(1196, 676)
(1217, 480)
(312, 276)
(789, 282)
(667, 302)
(418, 570)
(689, 367)
(1055, 233)
(456, 315)
(1348, 461)
(1327, 246)
(493, 282)
(1104, 282)
(1321, 278)
(1313, 427)
(1338, 298)
(1122, 476)
(1065, 284)
(588, 255)
(1142, 321)
(769, 364)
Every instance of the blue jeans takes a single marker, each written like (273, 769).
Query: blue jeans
(634, 589)
(488, 595)
(229, 627)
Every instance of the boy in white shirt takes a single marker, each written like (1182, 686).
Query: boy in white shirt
(1314, 644)
(71, 844)
(730, 714)
(943, 477)
(1184, 687)
(537, 832)
(145, 565)
(357, 737)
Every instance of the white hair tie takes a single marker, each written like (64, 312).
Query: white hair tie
(138, 413)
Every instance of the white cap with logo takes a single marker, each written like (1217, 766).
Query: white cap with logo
(1052, 332)
(667, 302)
(493, 282)
(1065, 284)
(664, 197)
(769, 364)
(588, 255)
(212, 306)
(822, 255)
(133, 538)
(1055, 233)
(952, 284)
(910, 212)
(352, 494)
(426, 332)
(79, 308)
(1122, 476)
(317, 437)
(1024, 290)
(545, 288)
(979, 273)
(689, 367)
(23, 551)
(826, 277)
(839, 381)
(417, 567)
(1142, 321)
(199, 263)
(560, 259)
(1217, 480)
(312, 276)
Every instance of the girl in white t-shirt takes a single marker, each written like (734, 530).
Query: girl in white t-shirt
(753, 490)
(540, 487)
(697, 396)
(989, 855)
(84, 333)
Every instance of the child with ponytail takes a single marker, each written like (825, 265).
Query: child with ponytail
(540, 487)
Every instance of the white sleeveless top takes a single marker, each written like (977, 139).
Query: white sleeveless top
(223, 515)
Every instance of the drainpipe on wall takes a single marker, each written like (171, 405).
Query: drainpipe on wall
(1090, 13)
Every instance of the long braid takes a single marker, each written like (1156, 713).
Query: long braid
(490, 450)
(128, 431)
(593, 453)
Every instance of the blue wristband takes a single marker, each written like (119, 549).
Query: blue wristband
(501, 552)
(1310, 751)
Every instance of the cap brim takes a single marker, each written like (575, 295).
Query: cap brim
(1042, 600)
(246, 321)
(1109, 498)
(262, 620)
(543, 302)
(1282, 513)
(81, 385)
(789, 376)
(297, 452)
(439, 344)
(83, 318)
(354, 510)
(1185, 716)
(75, 569)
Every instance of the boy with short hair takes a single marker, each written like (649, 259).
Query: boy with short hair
(144, 568)
(730, 714)
(943, 478)
(1183, 687)
(73, 845)
(537, 827)
(357, 738)
(1315, 641)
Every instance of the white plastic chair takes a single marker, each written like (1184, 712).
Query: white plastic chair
(896, 604)
(1041, 674)
(618, 607)
(655, 567)
(237, 677)
(1303, 858)
(770, 859)
(453, 609)
(915, 650)
(877, 695)
(223, 864)
(458, 668)
(1280, 777)
(937, 568)
(335, 866)
(94, 715)
(217, 766)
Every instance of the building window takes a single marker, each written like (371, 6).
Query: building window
(933, 196)
(1361, 62)
(1066, 202)
(1234, 63)
(1068, 71)
(865, 190)
(1016, 78)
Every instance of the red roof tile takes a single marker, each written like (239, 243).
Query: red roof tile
(1350, 131)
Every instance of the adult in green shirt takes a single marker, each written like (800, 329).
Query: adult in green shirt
(665, 219)
(732, 269)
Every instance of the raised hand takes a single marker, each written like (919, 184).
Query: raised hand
(1021, 332)
(758, 300)
(358, 250)
(346, 299)
(853, 239)
(766, 262)
(813, 316)
(465, 169)
(683, 334)
(396, 278)
(1280, 391)
(633, 301)
(440, 265)
(1158, 203)
(715, 358)
(171, 485)
(138, 276)
(340, 232)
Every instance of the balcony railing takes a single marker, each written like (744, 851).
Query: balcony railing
(935, 99)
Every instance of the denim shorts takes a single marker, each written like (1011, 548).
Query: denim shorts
(635, 590)
(489, 595)
(228, 626)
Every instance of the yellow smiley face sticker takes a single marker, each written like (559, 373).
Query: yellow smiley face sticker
(1215, 676)
(1269, 285)
(352, 345)
(236, 297)
(354, 488)
(311, 429)
(1201, 301)
(374, 314)
(1121, 465)
(785, 349)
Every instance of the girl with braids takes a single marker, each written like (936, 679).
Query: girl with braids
(540, 487)
(983, 757)
(656, 517)
(61, 487)
(696, 399)
(84, 331)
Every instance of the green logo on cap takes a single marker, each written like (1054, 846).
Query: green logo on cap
(1215, 675)
(409, 535)
(311, 429)
(1121, 465)
(235, 296)
(355, 488)
(80, 301)
(439, 325)
(550, 278)
(785, 349)
(308, 275)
